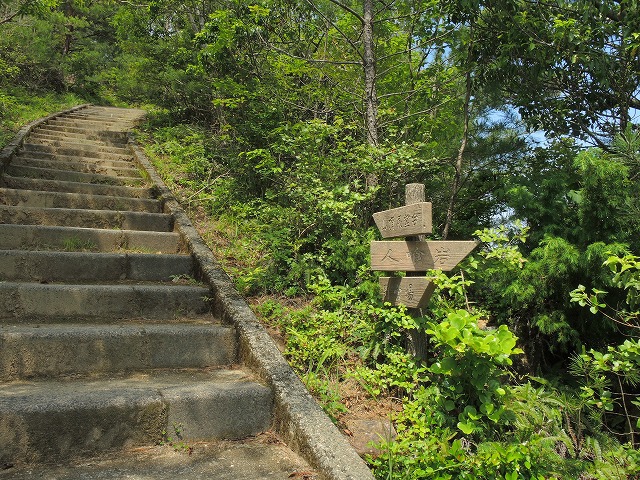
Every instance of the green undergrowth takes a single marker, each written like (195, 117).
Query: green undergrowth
(470, 409)
(466, 413)
(19, 106)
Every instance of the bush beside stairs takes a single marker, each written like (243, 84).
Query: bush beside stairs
(117, 328)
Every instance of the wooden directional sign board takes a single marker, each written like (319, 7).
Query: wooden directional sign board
(412, 292)
(414, 255)
(414, 219)
(419, 256)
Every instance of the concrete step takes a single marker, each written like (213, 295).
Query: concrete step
(103, 116)
(110, 112)
(105, 135)
(47, 199)
(76, 145)
(122, 163)
(88, 118)
(28, 183)
(93, 121)
(71, 176)
(52, 266)
(40, 351)
(91, 126)
(22, 302)
(44, 133)
(74, 217)
(260, 458)
(44, 237)
(53, 421)
(124, 169)
(108, 153)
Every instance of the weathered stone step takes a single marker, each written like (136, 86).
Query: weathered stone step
(28, 183)
(52, 266)
(47, 421)
(86, 151)
(120, 112)
(118, 162)
(101, 116)
(73, 217)
(93, 239)
(47, 132)
(107, 119)
(106, 113)
(95, 117)
(57, 144)
(44, 133)
(91, 126)
(123, 168)
(259, 458)
(46, 303)
(50, 199)
(74, 349)
(105, 135)
(71, 176)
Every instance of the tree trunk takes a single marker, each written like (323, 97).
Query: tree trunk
(68, 36)
(371, 97)
(457, 177)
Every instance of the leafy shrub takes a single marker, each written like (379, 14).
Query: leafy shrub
(471, 366)
(609, 379)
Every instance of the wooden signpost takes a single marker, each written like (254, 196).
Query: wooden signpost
(412, 292)
(413, 255)
(412, 219)
(419, 256)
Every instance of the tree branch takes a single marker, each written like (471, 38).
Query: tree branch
(346, 8)
(344, 35)
(306, 59)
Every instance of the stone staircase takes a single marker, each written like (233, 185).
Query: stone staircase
(119, 334)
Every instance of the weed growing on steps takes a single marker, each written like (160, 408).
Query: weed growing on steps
(75, 244)
(184, 279)
(175, 440)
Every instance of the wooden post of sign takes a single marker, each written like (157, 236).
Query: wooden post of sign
(414, 193)
(413, 255)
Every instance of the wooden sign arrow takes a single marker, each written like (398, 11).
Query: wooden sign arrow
(412, 292)
(414, 219)
(419, 256)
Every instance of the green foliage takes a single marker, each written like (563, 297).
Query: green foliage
(470, 369)
(303, 199)
(609, 380)
(435, 457)
(578, 210)
(558, 63)
(606, 189)
(323, 337)
(19, 106)
(326, 391)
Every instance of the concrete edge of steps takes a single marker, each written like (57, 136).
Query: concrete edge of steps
(298, 419)
(257, 458)
(53, 266)
(45, 351)
(12, 147)
(23, 302)
(81, 238)
(134, 407)
(49, 199)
